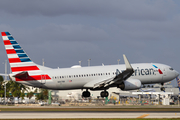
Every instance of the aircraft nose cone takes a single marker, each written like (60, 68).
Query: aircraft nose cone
(176, 74)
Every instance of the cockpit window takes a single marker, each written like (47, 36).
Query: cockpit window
(171, 68)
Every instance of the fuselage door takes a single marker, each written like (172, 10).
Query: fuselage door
(164, 71)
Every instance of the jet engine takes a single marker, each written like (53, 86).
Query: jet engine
(130, 84)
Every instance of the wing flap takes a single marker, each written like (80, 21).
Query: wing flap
(91, 84)
(103, 83)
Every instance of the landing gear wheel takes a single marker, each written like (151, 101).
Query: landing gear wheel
(162, 88)
(86, 94)
(104, 94)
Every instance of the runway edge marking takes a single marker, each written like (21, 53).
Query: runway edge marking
(142, 116)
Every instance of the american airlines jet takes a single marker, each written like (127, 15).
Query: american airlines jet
(126, 76)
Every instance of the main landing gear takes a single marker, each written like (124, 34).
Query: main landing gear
(87, 94)
(162, 88)
(104, 94)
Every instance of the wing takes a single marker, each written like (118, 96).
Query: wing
(114, 80)
(2, 74)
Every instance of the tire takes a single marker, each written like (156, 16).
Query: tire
(162, 88)
(102, 94)
(106, 94)
(86, 94)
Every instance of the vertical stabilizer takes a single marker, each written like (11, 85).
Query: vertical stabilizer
(18, 59)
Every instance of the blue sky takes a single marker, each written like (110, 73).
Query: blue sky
(64, 32)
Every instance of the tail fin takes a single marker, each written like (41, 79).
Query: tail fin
(178, 82)
(18, 59)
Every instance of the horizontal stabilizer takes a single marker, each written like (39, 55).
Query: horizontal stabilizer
(1, 74)
(21, 74)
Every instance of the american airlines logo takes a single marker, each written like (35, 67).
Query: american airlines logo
(138, 71)
(147, 71)
(160, 72)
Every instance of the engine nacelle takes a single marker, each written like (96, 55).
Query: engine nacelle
(130, 84)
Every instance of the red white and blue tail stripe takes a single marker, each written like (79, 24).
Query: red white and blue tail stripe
(18, 59)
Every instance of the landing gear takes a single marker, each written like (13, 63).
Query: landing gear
(104, 94)
(162, 88)
(86, 94)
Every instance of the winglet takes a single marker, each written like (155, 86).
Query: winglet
(128, 65)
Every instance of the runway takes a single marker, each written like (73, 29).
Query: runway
(27, 115)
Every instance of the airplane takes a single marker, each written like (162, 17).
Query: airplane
(125, 76)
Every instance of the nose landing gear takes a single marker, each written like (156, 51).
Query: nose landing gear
(162, 88)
